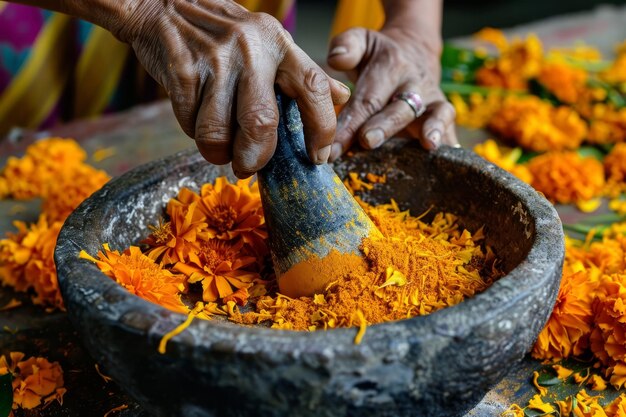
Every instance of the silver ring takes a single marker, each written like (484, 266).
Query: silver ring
(414, 101)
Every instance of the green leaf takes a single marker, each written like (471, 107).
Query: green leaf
(6, 394)
(534, 413)
(602, 219)
(467, 89)
(547, 380)
(591, 151)
(585, 229)
(527, 156)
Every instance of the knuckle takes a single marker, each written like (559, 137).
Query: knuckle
(316, 83)
(265, 20)
(258, 122)
(213, 132)
(370, 104)
(449, 112)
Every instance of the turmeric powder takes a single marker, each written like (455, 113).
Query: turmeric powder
(412, 268)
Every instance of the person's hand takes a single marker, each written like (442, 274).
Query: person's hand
(383, 64)
(219, 64)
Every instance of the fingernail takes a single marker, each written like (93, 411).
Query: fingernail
(323, 154)
(434, 138)
(335, 153)
(338, 50)
(345, 87)
(374, 138)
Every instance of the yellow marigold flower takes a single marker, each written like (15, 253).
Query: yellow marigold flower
(27, 261)
(536, 403)
(608, 338)
(607, 123)
(588, 406)
(519, 60)
(562, 372)
(36, 381)
(504, 158)
(536, 125)
(567, 331)
(577, 53)
(513, 411)
(564, 81)
(616, 73)
(565, 177)
(478, 110)
(69, 188)
(617, 408)
(234, 211)
(141, 276)
(221, 270)
(596, 382)
(27, 177)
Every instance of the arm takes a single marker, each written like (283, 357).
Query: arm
(219, 64)
(402, 57)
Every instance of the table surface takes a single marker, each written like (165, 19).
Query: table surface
(149, 132)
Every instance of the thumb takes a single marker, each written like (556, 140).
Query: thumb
(346, 50)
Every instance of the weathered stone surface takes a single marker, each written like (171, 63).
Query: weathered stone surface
(438, 365)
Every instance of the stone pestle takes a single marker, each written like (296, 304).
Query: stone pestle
(309, 212)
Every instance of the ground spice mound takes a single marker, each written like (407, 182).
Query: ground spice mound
(414, 269)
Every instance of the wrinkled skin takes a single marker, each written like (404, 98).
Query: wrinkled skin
(219, 64)
(382, 64)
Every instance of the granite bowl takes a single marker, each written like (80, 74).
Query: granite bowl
(437, 365)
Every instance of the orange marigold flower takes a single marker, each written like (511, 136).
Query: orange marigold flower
(221, 270)
(565, 177)
(608, 338)
(564, 81)
(69, 188)
(27, 177)
(616, 73)
(141, 276)
(504, 158)
(234, 211)
(615, 168)
(607, 123)
(536, 125)
(36, 381)
(567, 331)
(179, 239)
(27, 261)
(519, 60)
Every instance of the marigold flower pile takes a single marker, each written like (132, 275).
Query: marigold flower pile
(550, 103)
(55, 171)
(211, 248)
(36, 381)
(547, 107)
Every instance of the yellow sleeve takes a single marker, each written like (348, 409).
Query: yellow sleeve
(363, 13)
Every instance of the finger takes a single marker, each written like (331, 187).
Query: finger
(257, 120)
(435, 127)
(346, 50)
(369, 98)
(213, 131)
(450, 138)
(339, 92)
(436, 123)
(386, 123)
(300, 78)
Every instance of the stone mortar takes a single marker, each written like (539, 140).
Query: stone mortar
(439, 365)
